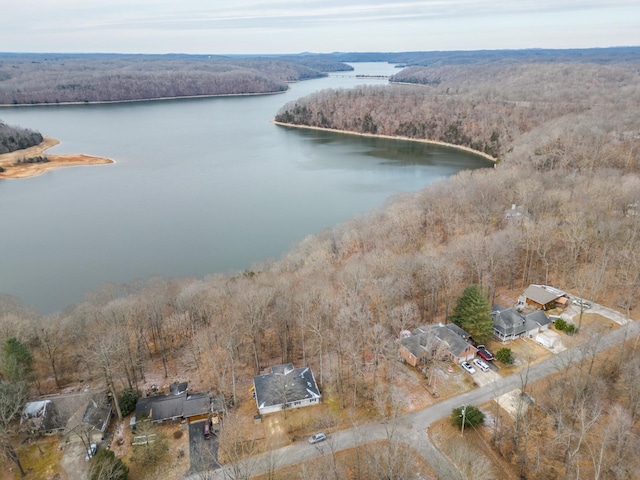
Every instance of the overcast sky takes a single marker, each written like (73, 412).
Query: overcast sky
(293, 26)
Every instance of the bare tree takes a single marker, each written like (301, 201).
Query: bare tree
(12, 398)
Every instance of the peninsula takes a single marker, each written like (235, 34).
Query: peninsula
(11, 168)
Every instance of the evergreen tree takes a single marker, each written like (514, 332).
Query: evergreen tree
(504, 355)
(17, 362)
(473, 416)
(471, 313)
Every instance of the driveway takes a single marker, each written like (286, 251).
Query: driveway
(203, 452)
(613, 315)
(73, 458)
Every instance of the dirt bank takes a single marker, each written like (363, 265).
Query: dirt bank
(12, 170)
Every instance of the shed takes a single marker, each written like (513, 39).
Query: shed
(548, 339)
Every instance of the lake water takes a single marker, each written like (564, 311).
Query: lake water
(200, 186)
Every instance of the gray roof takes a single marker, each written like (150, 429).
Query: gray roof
(165, 407)
(98, 412)
(285, 384)
(57, 411)
(160, 407)
(178, 388)
(449, 334)
(458, 331)
(508, 321)
(538, 317)
(424, 339)
(196, 404)
(540, 295)
(417, 342)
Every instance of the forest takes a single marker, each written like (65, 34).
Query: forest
(14, 138)
(566, 136)
(27, 79)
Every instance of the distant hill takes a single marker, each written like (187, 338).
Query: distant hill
(462, 57)
(72, 78)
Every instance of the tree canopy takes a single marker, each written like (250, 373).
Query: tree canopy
(106, 466)
(472, 313)
(504, 355)
(17, 362)
(473, 416)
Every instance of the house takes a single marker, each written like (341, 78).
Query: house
(415, 348)
(41, 416)
(160, 408)
(285, 387)
(64, 413)
(98, 413)
(543, 297)
(510, 324)
(177, 405)
(444, 342)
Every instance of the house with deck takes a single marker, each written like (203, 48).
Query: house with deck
(509, 324)
(543, 297)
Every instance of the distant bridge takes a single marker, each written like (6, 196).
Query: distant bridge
(380, 77)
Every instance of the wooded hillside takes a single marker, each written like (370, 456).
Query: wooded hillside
(60, 78)
(586, 107)
(568, 140)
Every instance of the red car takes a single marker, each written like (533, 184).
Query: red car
(484, 354)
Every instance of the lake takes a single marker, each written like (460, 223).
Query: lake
(199, 186)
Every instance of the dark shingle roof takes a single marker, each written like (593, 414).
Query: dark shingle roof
(160, 407)
(197, 404)
(285, 385)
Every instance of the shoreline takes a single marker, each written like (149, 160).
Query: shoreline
(27, 170)
(138, 100)
(391, 137)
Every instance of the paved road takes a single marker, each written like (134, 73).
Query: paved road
(411, 428)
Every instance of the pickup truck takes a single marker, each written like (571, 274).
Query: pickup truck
(484, 354)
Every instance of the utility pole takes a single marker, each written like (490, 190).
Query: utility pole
(464, 412)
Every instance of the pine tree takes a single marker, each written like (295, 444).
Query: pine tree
(471, 313)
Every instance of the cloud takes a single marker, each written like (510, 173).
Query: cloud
(258, 26)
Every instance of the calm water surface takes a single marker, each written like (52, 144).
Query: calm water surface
(200, 186)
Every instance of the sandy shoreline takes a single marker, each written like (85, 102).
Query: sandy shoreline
(433, 142)
(8, 160)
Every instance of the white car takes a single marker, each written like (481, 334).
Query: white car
(318, 437)
(91, 451)
(468, 367)
(481, 365)
(582, 303)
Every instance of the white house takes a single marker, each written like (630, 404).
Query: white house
(285, 387)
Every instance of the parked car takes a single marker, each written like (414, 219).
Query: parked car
(484, 354)
(91, 451)
(467, 366)
(318, 437)
(581, 303)
(481, 365)
(207, 429)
